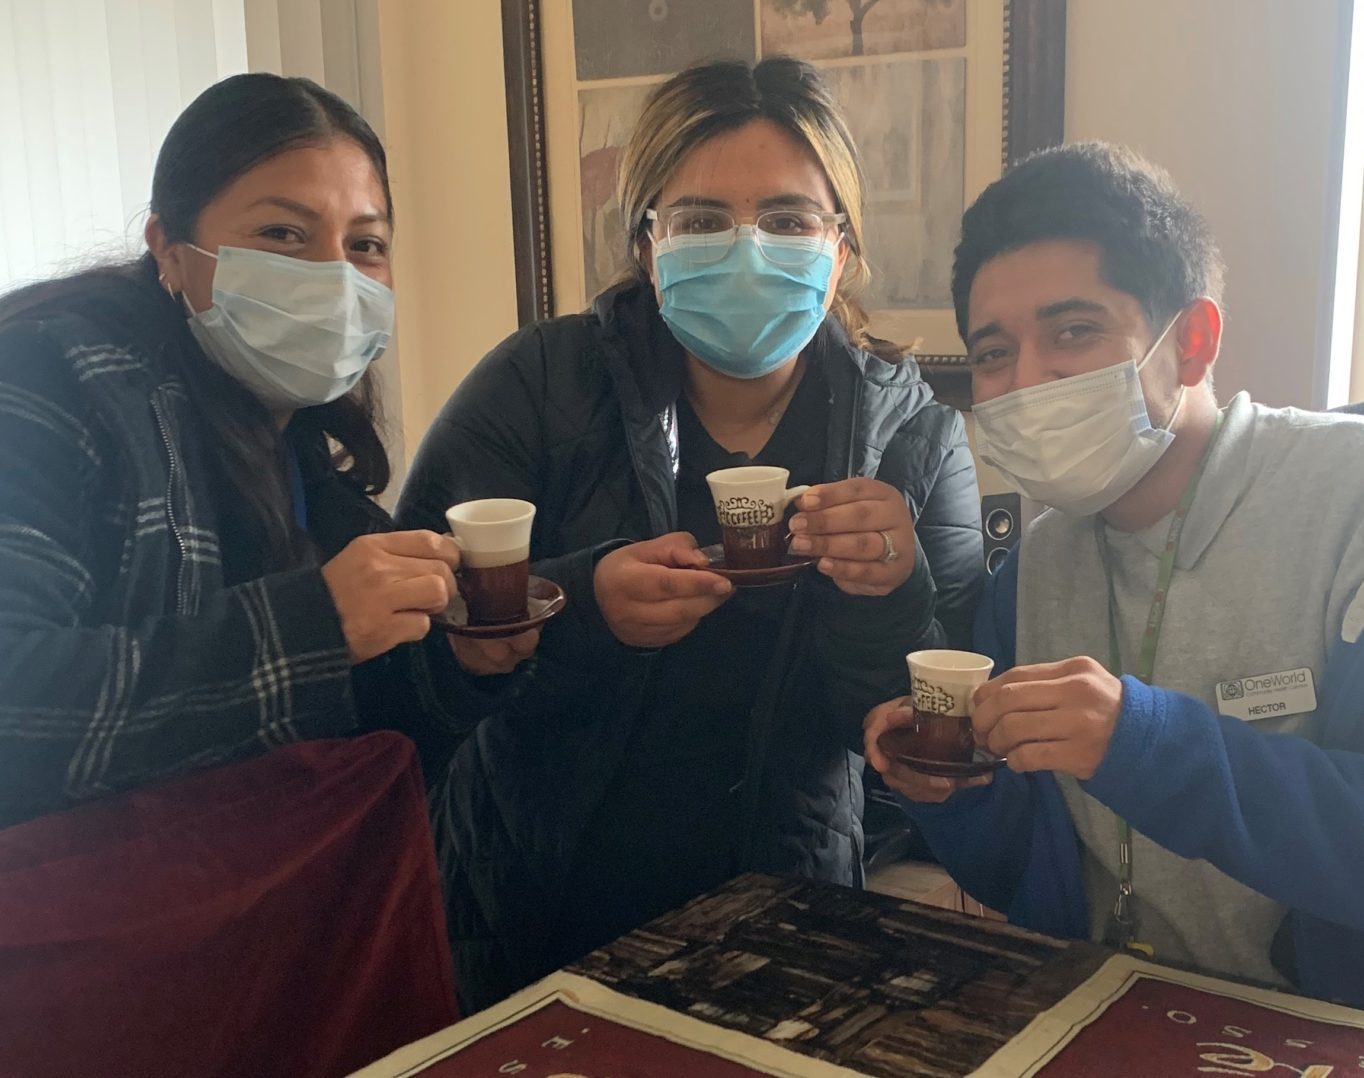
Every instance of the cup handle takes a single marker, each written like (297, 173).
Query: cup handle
(795, 492)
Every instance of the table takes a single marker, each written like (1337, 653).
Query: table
(795, 979)
(867, 981)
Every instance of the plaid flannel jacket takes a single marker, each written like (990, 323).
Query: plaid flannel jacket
(123, 657)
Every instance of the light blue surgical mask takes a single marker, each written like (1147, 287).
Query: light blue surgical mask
(743, 316)
(1077, 444)
(294, 332)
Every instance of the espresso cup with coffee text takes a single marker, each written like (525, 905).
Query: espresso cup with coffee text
(942, 683)
(493, 536)
(751, 504)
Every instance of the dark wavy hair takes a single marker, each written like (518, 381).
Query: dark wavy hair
(227, 130)
(1153, 244)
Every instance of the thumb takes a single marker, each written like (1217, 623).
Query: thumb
(678, 550)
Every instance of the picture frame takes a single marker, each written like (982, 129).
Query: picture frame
(1025, 113)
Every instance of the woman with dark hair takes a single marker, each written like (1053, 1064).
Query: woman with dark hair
(191, 567)
(681, 731)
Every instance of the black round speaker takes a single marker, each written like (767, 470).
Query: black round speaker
(999, 525)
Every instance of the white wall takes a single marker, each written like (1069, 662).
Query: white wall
(445, 126)
(1236, 99)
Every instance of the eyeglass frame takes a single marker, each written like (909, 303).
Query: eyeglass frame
(830, 219)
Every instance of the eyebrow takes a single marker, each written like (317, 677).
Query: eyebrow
(1074, 305)
(790, 200)
(310, 214)
(699, 200)
(1070, 306)
(987, 330)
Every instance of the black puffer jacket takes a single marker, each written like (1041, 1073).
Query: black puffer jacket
(577, 415)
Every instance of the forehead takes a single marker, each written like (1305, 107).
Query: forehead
(1016, 285)
(335, 176)
(755, 161)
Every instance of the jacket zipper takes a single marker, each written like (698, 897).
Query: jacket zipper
(763, 715)
(661, 525)
(171, 464)
(852, 428)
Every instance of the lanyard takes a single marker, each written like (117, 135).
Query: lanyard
(1122, 924)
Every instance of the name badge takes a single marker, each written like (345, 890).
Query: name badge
(1289, 692)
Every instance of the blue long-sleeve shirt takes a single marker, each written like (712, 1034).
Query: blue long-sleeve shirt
(1281, 814)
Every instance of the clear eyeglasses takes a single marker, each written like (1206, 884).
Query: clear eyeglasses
(703, 234)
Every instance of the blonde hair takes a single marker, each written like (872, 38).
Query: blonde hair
(707, 100)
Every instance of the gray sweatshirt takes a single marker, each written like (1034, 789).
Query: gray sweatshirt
(1268, 574)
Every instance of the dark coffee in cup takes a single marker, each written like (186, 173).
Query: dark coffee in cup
(495, 593)
(754, 547)
(945, 738)
(751, 504)
(493, 536)
(942, 684)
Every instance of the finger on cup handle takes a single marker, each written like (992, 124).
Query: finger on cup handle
(422, 544)
(843, 491)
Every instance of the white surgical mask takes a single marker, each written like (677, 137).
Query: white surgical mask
(1077, 444)
(294, 332)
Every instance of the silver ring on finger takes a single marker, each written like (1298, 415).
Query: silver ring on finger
(889, 554)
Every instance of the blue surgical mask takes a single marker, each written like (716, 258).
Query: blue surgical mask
(294, 332)
(743, 316)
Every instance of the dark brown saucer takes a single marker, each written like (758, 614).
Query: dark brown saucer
(792, 565)
(982, 763)
(544, 599)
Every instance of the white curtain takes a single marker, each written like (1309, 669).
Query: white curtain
(89, 88)
(1350, 389)
(1345, 360)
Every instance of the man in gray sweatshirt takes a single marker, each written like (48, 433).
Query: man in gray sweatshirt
(1169, 635)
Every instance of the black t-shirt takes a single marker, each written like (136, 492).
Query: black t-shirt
(667, 830)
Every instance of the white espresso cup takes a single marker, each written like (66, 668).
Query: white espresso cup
(493, 536)
(750, 504)
(942, 684)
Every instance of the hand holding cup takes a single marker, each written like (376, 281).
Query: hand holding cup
(386, 586)
(485, 657)
(929, 731)
(915, 785)
(650, 593)
(862, 532)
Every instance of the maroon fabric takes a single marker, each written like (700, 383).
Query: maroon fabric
(280, 916)
(1156, 1027)
(560, 1041)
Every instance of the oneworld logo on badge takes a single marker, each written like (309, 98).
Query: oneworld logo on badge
(1262, 696)
(1271, 682)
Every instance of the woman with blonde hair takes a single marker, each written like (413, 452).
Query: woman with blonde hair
(677, 730)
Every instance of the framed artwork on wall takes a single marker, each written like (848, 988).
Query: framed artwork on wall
(941, 96)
